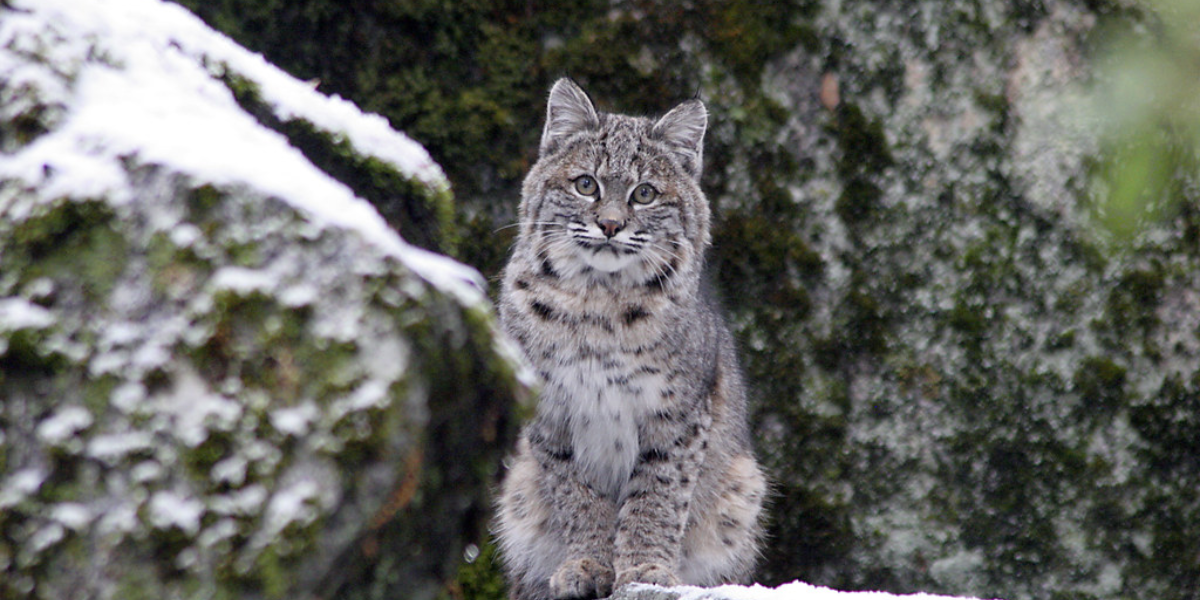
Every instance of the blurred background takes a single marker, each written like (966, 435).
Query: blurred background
(958, 240)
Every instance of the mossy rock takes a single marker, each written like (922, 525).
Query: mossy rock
(213, 388)
(959, 386)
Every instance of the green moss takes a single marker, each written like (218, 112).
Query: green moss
(201, 201)
(1170, 423)
(139, 584)
(1134, 298)
(269, 347)
(863, 156)
(217, 445)
(968, 319)
(487, 243)
(998, 105)
(480, 578)
(77, 244)
(1100, 380)
(747, 37)
(781, 261)
(1061, 341)
(97, 393)
(23, 351)
(271, 575)
(176, 273)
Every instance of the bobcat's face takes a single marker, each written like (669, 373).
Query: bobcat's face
(616, 198)
(609, 210)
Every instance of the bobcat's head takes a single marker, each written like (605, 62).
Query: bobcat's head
(614, 198)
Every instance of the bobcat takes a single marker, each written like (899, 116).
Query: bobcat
(638, 465)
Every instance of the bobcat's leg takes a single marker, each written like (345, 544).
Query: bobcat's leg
(556, 534)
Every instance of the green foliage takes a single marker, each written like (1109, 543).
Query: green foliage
(1151, 113)
(479, 577)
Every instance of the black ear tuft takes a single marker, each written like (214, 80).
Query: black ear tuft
(569, 111)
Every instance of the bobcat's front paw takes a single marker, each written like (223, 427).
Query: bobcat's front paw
(648, 573)
(582, 578)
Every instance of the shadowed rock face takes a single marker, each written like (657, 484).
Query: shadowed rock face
(215, 386)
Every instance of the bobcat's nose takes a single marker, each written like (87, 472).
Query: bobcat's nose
(610, 227)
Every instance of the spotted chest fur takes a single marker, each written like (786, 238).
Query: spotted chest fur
(606, 368)
(638, 464)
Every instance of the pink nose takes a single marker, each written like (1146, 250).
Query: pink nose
(610, 227)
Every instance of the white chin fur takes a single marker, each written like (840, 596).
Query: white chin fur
(609, 262)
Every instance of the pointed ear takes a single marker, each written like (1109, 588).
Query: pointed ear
(683, 128)
(569, 111)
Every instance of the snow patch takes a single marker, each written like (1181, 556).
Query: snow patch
(112, 448)
(72, 515)
(296, 503)
(19, 486)
(243, 281)
(17, 314)
(294, 420)
(244, 502)
(63, 425)
(196, 409)
(795, 590)
(168, 509)
(155, 94)
(231, 470)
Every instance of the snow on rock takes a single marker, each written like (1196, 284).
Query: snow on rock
(156, 91)
(790, 591)
(16, 313)
(168, 509)
(217, 361)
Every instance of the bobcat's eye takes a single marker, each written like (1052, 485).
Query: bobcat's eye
(644, 194)
(586, 185)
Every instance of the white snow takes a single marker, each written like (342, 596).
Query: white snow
(371, 394)
(146, 471)
(46, 536)
(295, 503)
(231, 470)
(155, 95)
(242, 280)
(19, 486)
(294, 420)
(63, 425)
(120, 519)
(795, 590)
(168, 509)
(72, 515)
(17, 314)
(113, 447)
(243, 502)
(196, 409)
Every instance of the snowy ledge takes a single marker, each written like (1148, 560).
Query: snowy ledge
(147, 82)
(789, 591)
